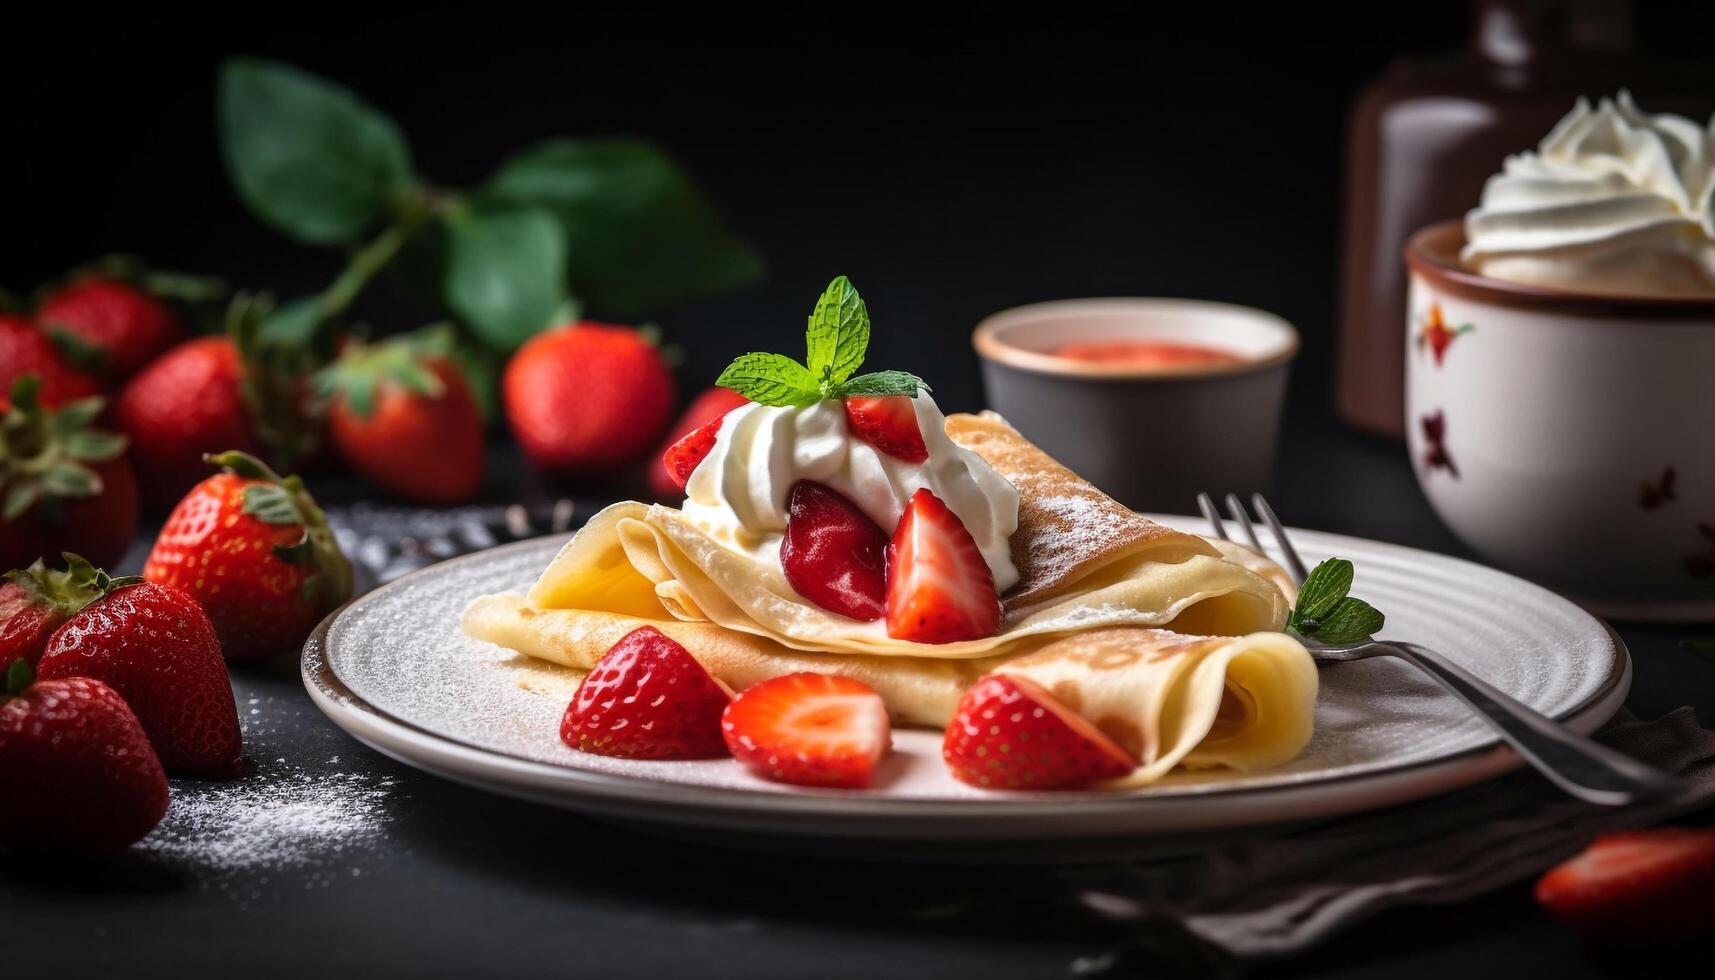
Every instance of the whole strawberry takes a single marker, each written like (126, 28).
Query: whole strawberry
(121, 324)
(24, 349)
(64, 486)
(151, 643)
(587, 397)
(706, 409)
(400, 414)
(255, 551)
(186, 404)
(78, 770)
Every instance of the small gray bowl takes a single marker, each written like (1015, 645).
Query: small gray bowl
(1150, 437)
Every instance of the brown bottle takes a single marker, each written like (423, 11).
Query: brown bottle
(1425, 136)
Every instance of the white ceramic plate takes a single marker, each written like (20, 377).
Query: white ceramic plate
(393, 669)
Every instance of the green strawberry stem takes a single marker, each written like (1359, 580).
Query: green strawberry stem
(71, 589)
(285, 500)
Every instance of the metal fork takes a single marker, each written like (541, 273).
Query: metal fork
(1580, 766)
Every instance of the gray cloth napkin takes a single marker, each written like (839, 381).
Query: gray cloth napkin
(1267, 898)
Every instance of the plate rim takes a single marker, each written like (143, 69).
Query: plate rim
(577, 788)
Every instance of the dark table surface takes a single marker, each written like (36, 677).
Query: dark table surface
(329, 858)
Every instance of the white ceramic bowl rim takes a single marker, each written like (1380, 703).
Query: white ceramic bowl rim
(1272, 340)
(1432, 252)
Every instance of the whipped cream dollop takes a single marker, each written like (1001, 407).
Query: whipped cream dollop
(737, 494)
(1614, 200)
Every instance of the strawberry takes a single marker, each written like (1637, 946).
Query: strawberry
(187, 403)
(586, 397)
(809, 730)
(155, 646)
(889, 423)
(78, 770)
(1636, 886)
(401, 415)
(120, 324)
(646, 698)
(833, 554)
(939, 588)
(255, 550)
(64, 486)
(1008, 733)
(27, 350)
(690, 440)
(25, 623)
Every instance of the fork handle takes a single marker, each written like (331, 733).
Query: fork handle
(1581, 766)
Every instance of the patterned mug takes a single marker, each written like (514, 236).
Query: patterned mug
(1567, 436)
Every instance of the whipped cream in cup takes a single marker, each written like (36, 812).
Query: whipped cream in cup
(1613, 200)
(738, 493)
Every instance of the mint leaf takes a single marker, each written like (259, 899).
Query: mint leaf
(1324, 587)
(308, 156)
(1349, 621)
(771, 379)
(882, 383)
(838, 334)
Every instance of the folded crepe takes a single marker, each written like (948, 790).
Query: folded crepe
(1096, 581)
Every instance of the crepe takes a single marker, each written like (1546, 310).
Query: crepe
(1099, 588)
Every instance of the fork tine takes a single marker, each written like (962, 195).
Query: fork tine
(1237, 510)
(1207, 506)
(1294, 564)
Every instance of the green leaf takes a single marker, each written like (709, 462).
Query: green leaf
(639, 234)
(69, 479)
(308, 156)
(882, 383)
(1702, 647)
(1324, 587)
(505, 272)
(771, 379)
(20, 497)
(82, 354)
(93, 445)
(293, 323)
(271, 504)
(481, 368)
(838, 334)
(1349, 621)
(18, 676)
(76, 415)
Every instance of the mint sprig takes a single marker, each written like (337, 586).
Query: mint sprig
(835, 343)
(1326, 613)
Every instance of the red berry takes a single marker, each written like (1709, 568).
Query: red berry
(125, 325)
(587, 397)
(939, 588)
(72, 481)
(1637, 886)
(25, 624)
(833, 554)
(683, 456)
(667, 477)
(1008, 733)
(155, 646)
(24, 349)
(78, 770)
(256, 552)
(647, 698)
(809, 730)
(186, 404)
(889, 423)
(405, 419)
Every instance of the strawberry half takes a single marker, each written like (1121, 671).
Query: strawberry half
(809, 730)
(889, 423)
(683, 456)
(712, 405)
(1636, 886)
(939, 588)
(833, 554)
(647, 698)
(1009, 733)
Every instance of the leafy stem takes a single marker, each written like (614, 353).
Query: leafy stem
(1326, 613)
(367, 262)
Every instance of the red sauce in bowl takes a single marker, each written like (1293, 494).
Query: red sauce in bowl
(1146, 353)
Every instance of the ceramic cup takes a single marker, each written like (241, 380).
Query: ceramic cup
(1566, 436)
(1150, 438)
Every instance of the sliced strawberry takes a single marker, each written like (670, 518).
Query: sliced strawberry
(1636, 886)
(710, 406)
(834, 555)
(810, 730)
(1009, 733)
(889, 423)
(647, 698)
(683, 456)
(939, 588)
